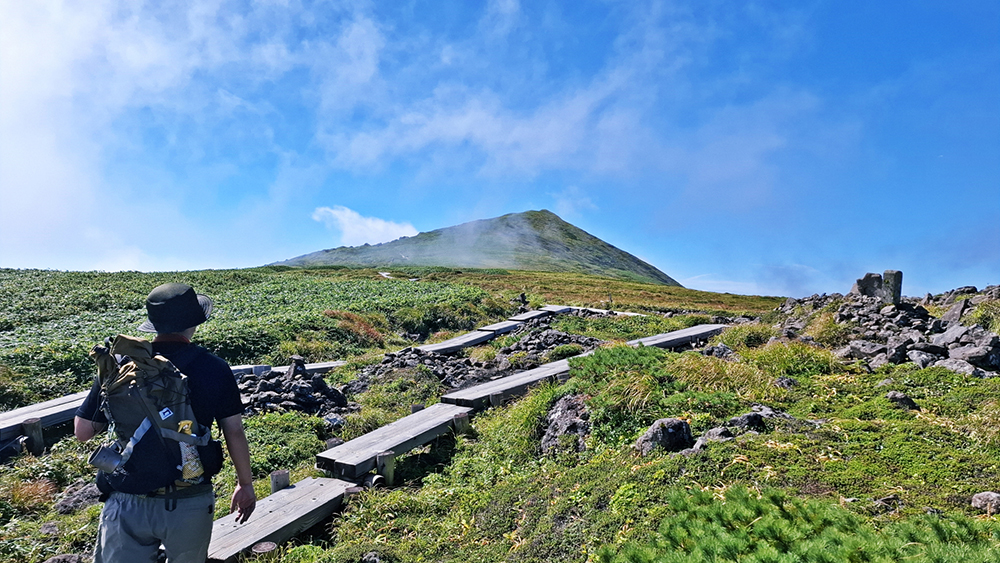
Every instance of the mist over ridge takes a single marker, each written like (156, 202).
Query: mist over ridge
(531, 240)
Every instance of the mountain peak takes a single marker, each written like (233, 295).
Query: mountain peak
(530, 240)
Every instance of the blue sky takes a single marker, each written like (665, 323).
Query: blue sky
(781, 148)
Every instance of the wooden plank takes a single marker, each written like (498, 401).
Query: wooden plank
(55, 411)
(557, 309)
(320, 367)
(680, 337)
(358, 456)
(530, 315)
(502, 327)
(478, 397)
(256, 369)
(459, 342)
(277, 517)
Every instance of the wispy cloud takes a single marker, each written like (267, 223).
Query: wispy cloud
(571, 202)
(356, 229)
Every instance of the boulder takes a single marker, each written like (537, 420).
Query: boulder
(953, 335)
(975, 355)
(78, 496)
(862, 349)
(721, 434)
(956, 311)
(961, 366)
(671, 434)
(988, 502)
(568, 417)
(902, 400)
(868, 286)
(65, 559)
(929, 348)
(922, 359)
(878, 361)
(750, 421)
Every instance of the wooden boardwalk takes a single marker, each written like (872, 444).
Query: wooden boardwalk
(455, 344)
(277, 517)
(502, 327)
(481, 396)
(679, 338)
(321, 367)
(353, 459)
(51, 413)
(530, 316)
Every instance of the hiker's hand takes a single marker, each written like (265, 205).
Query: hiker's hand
(244, 501)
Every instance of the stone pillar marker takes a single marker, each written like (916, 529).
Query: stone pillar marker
(887, 287)
(892, 285)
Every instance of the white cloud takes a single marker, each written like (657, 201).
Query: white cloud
(356, 230)
(501, 17)
(571, 202)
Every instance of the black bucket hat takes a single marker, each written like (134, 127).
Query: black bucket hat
(175, 307)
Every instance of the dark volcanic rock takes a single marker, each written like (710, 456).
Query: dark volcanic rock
(671, 434)
(568, 417)
(883, 333)
(77, 496)
(901, 400)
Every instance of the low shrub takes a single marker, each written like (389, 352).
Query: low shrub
(751, 335)
(791, 359)
(744, 525)
(28, 496)
(564, 351)
(987, 315)
(710, 374)
(826, 331)
(283, 441)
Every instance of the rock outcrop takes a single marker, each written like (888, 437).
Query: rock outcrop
(884, 330)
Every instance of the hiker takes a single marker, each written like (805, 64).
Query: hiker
(132, 526)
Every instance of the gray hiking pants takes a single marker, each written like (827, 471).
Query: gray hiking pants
(133, 527)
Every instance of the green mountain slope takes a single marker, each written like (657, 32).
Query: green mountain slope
(532, 240)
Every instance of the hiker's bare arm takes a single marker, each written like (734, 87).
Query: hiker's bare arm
(85, 429)
(244, 498)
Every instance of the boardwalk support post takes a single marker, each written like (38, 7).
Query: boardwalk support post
(496, 400)
(280, 479)
(32, 428)
(462, 424)
(385, 463)
(264, 551)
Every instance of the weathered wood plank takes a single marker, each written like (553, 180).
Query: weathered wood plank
(358, 456)
(680, 337)
(277, 517)
(55, 411)
(256, 369)
(320, 367)
(459, 342)
(478, 397)
(530, 315)
(502, 327)
(557, 309)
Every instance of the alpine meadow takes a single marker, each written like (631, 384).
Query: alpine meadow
(801, 456)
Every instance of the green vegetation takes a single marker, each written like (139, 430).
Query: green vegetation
(987, 315)
(843, 475)
(262, 315)
(746, 525)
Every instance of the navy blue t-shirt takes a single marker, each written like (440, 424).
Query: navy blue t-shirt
(214, 394)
